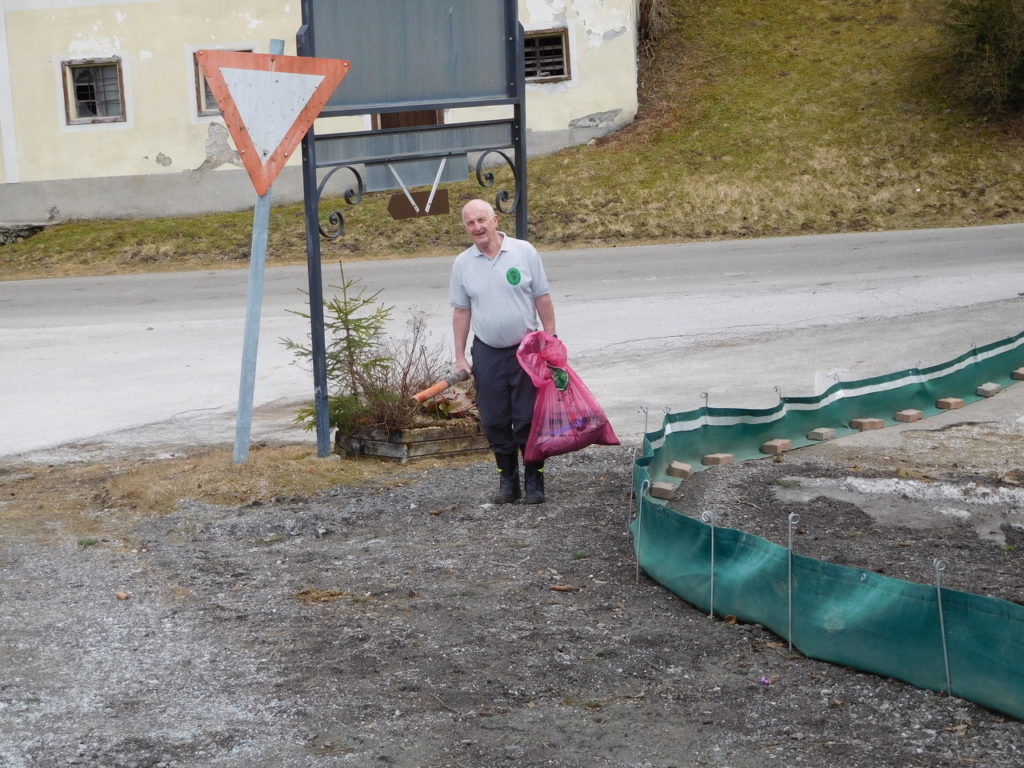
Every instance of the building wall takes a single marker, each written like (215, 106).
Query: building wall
(166, 159)
(601, 95)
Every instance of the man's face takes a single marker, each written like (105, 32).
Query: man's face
(480, 224)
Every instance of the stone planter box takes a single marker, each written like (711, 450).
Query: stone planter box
(447, 438)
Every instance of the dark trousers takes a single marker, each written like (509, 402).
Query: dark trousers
(504, 397)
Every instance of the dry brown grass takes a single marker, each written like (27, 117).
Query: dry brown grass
(105, 498)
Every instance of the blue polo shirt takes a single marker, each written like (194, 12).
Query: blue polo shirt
(499, 292)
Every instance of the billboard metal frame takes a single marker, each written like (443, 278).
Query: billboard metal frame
(389, 153)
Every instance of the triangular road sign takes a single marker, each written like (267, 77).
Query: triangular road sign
(269, 102)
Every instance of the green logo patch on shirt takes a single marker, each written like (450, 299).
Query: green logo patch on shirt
(514, 276)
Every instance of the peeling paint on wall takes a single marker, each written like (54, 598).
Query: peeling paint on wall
(599, 21)
(546, 13)
(596, 120)
(218, 151)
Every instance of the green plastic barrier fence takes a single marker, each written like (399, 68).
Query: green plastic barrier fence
(932, 637)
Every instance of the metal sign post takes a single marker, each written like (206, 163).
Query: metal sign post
(253, 310)
(269, 102)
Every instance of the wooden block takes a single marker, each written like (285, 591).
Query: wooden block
(821, 433)
(679, 469)
(909, 415)
(949, 403)
(1018, 375)
(988, 389)
(865, 424)
(716, 459)
(777, 446)
(661, 490)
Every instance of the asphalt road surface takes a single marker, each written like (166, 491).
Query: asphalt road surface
(150, 360)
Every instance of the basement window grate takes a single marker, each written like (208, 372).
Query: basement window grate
(547, 55)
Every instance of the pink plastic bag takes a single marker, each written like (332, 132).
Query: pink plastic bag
(566, 417)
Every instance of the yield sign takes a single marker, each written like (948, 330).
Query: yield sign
(269, 102)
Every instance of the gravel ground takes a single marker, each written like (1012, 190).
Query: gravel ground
(417, 625)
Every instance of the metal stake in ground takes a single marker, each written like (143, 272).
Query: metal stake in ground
(794, 518)
(639, 525)
(940, 566)
(632, 486)
(709, 518)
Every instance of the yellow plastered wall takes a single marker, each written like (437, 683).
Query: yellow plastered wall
(155, 41)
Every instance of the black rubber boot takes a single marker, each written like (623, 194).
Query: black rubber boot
(508, 478)
(534, 479)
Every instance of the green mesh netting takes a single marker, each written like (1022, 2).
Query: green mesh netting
(971, 648)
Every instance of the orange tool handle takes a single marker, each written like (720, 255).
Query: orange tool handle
(440, 386)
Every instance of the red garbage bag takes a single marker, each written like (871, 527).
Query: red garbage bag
(566, 417)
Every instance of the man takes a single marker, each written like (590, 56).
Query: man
(499, 291)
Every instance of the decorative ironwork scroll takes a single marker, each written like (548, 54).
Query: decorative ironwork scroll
(487, 179)
(352, 196)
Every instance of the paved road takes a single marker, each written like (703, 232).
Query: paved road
(153, 360)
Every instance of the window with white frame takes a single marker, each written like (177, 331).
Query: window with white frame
(93, 91)
(206, 103)
(547, 55)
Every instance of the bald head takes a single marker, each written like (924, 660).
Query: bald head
(477, 207)
(481, 224)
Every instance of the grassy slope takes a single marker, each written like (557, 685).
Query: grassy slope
(758, 118)
(792, 116)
